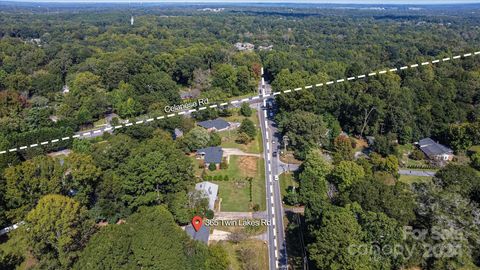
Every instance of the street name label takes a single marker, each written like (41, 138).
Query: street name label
(186, 106)
(236, 222)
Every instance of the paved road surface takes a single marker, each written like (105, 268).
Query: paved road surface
(276, 233)
(417, 173)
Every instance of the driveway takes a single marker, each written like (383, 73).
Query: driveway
(238, 152)
(417, 173)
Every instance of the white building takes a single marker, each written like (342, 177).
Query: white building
(210, 191)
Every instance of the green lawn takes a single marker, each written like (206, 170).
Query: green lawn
(410, 179)
(235, 192)
(258, 251)
(228, 137)
(287, 182)
(475, 148)
(100, 122)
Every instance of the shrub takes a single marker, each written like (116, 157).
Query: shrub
(224, 165)
(256, 207)
(245, 110)
(417, 155)
(209, 214)
(212, 166)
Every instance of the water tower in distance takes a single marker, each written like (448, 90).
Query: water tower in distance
(131, 20)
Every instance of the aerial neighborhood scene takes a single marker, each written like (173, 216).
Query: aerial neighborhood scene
(240, 135)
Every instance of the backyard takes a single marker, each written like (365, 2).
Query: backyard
(287, 182)
(248, 254)
(229, 136)
(235, 191)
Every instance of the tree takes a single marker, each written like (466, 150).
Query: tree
(245, 109)
(244, 82)
(212, 167)
(82, 146)
(346, 173)
(156, 169)
(81, 177)
(458, 178)
(29, 181)
(343, 148)
(149, 239)
(391, 165)
(56, 229)
(196, 138)
(385, 145)
(248, 127)
(396, 201)
(304, 129)
(215, 139)
(225, 78)
(384, 233)
(312, 178)
(449, 213)
(476, 160)
(338, 230)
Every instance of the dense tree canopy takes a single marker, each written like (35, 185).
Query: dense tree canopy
(149, 239)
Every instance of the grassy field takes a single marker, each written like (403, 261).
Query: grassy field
(475, 148)
(228, 137)
(256, 251)
(287, 182)
(235, 192)
(410, 179)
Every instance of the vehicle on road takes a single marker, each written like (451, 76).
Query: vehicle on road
(275, 154)
(276, 178)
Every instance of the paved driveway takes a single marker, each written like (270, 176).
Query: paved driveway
(417, 173)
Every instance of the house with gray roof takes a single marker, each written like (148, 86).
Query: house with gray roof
(215, 125)
(210, 155)
(434, 150)
(177, 133)
(202, 235)
(210, 191)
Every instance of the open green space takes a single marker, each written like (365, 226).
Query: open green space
(249, 254)
(475, 148)
(229, 137)
(287, 182)
(410, 179)
(235, 192)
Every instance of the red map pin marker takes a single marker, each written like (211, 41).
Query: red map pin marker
(196, 223)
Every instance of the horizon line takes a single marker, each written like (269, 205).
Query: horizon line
(330, 2)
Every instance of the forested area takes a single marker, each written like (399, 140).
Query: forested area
(141, 177)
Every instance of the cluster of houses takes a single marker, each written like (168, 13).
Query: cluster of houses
(214, 154)
(210, 192)
(245, 46)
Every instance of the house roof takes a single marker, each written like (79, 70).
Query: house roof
(209, 190)
(431, 148)
(202, 235)
(211, 154)
(218, 124)
(178, 133)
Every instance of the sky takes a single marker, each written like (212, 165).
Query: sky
(418, 2)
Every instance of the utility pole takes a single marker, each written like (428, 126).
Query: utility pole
(285, 143)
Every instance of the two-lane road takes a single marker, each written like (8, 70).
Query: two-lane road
(276, 233)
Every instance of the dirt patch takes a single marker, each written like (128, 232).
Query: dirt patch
(248, 165)
(360, 144)
(289, 158)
